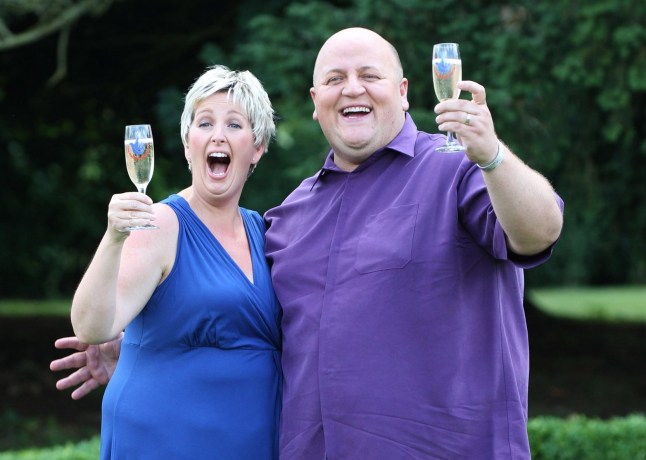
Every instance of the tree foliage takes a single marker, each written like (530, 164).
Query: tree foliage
(26, 21)
(566, 83)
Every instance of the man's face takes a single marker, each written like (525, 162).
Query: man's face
(359, 95)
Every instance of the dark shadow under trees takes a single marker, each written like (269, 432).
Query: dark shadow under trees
(587, 368)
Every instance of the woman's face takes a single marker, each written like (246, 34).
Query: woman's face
(220, 147)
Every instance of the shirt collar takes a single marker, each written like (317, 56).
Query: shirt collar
(403, 143)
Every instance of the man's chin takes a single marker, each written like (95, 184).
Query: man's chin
(348, 157)
(357, 143)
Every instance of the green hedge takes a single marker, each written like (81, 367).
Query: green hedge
(85, 450)
(566, 84)
(551, 438)
(582, 438)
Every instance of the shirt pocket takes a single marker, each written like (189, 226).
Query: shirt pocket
(386, 241)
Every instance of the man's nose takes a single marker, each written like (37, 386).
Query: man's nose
(353, 87)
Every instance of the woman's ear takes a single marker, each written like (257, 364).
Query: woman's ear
(260, 151)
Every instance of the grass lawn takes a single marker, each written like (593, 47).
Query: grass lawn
(582, 366)
(613, 304)
(619, 303)
(35, 307)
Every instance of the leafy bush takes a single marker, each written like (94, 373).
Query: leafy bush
(85, 450)
(577, 438)
(19, 432)
(551, 438)
(566, 84)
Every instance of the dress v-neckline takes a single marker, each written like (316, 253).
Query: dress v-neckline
(233, 261)
(243, 216)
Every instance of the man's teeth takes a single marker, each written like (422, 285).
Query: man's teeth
(356, 110)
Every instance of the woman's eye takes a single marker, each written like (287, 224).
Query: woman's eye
(204, 124)
(235, 125)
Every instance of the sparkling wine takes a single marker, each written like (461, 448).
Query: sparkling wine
(140, 161)
(447, 72)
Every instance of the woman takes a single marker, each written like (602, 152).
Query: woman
(199, 369)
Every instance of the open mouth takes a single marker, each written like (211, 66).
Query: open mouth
(218, 163)
(355, 111)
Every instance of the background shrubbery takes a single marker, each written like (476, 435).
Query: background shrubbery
(86, 450)
(566, 82)
(575, 438)
(581, 438)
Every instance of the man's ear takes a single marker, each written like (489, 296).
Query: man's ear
(403, 92)
(313, 96)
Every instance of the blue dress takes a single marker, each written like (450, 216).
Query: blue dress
(199, 372)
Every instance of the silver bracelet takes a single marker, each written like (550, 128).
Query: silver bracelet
(496, 161)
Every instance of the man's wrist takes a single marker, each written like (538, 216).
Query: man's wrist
(496, 161)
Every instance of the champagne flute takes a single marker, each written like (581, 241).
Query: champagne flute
(140, 161)
(447, 72)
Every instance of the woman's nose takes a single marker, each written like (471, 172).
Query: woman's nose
(217, 135)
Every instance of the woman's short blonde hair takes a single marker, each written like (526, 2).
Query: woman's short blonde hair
(244, 89)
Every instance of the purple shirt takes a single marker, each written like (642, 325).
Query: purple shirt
(404, 334)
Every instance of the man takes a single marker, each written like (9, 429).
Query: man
(399, 270)
(400, 273)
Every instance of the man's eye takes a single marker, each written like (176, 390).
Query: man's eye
(333, 80)
(370, 77)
